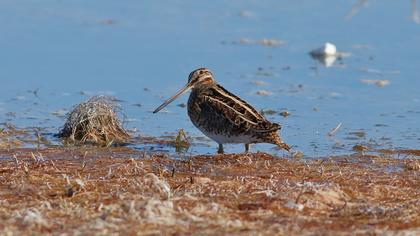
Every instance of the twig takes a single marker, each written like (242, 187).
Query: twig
(333, 131)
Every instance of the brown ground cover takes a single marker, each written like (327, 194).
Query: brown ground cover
(125, 191)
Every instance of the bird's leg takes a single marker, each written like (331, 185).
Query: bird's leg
(247, 147)
(220, 150)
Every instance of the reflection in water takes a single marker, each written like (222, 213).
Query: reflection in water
(326, 60)
(414, 14)
(362, 3)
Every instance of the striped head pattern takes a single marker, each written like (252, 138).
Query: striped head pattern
(200, 76)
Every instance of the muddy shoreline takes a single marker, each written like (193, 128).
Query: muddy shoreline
(127, 191)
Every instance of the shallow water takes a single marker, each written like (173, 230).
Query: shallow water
(143, 52)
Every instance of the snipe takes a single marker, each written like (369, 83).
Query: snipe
(224, 117)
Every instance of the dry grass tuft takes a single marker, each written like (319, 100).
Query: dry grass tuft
(412, 164)
(95, 121)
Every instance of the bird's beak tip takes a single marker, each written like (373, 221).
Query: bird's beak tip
(171, 99)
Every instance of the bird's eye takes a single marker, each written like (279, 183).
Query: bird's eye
(201, 72)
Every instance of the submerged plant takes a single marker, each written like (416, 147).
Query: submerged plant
(12, 136)
(181, 141)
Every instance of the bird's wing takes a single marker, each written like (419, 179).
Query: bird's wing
(238, 111)
(236, 103)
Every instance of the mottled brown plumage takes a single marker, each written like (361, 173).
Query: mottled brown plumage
(224, 117)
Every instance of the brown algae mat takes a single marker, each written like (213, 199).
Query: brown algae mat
(106, 191)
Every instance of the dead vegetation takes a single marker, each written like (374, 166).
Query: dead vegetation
(181, 142)
(8, 136)
(94, 121)
(13, 137)
(124, 191)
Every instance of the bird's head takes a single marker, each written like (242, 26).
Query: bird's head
(198, 77)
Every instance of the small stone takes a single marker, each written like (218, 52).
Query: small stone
(284, 113)
(263, 92)
(270, 42)
(379, 83)
(259, 82)
(298, 154)
(182, 105)
(360, 148)
(245, 41)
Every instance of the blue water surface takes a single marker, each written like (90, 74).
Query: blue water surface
(55, 54)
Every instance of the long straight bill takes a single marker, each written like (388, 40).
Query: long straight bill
(171, 99)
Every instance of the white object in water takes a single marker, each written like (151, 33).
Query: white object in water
(328, 49)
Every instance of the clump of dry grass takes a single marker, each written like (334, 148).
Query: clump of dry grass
(95, 121)
(412, 164)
